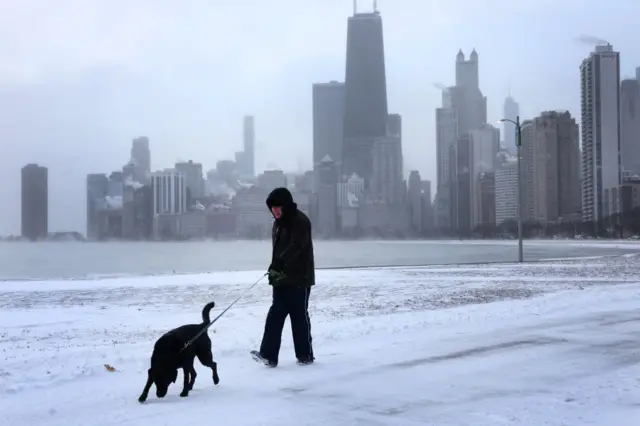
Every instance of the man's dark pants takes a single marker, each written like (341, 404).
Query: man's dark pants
(292, 301)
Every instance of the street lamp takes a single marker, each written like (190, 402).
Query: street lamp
(520, 192)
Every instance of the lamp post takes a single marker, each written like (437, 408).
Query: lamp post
(520, 192)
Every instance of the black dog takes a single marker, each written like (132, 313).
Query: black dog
(168, 356)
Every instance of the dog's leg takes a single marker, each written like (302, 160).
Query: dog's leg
(193, 377)
(206, 359)
(187, 367)
(147, 387)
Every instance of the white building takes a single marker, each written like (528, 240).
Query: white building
(600, 108)
(507, 192)
(169, 190)
(351, 192)
(169, 197)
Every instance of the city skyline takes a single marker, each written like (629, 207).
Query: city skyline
(408, 87)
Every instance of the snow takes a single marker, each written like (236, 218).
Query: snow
(113, 202)
(535, 344)
(133, 183)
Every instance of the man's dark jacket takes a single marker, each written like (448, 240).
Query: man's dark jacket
(292, 246)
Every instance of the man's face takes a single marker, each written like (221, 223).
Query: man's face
(277, 212)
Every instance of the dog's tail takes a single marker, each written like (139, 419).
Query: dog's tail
(205, 312)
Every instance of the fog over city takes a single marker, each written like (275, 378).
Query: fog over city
(80, 79)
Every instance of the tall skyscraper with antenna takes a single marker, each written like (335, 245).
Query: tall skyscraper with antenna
(366, 113)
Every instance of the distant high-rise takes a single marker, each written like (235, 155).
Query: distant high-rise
(35, 202)
(527, 171)
(387, 176)
(272, 179)
(470, 107)
(97, 190)
(484, 147)
(365, 113)
(600, 110)
(467, 71)
(141, 158)
(630, 126)
(328, 118)
(249, 143)
(446, 136)
(466, 95)
(511, 112)
(460, 159)
(506, 183)
(415, 201)
(194, 179)
(169, 189)
(427, 209)
(327, 224)
(556, 167)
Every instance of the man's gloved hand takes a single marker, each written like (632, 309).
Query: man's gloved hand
(276, 266)
(275, 271)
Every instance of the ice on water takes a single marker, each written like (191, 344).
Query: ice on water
(538, 344)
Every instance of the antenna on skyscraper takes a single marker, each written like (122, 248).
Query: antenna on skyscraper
(375, 6)
(355, 6)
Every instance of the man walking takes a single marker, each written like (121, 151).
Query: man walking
(291, 274)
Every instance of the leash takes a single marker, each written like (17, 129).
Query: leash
(206, 327)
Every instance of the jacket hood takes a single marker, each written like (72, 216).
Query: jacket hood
(281, 197)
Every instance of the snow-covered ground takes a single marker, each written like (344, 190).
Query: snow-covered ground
(538, 344)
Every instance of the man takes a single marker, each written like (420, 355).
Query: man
(291, 274)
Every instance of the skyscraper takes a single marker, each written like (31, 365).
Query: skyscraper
(460, 159)
(141, 159)
(328, 117)
(511, 111)
(484, 146)
(249, 143)
(365, 113)
(387, 172)
(527, 171)
(327, 178)
(506, 183)
(600, 110)
(630, 125)
(556, 167)
(169, 192)
(470, 107)
(97, 190)
(194, 180)
(414, 193)
(466, 95)
(35, 202)
(446, 136)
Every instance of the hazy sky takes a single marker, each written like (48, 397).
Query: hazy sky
(79, 79)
